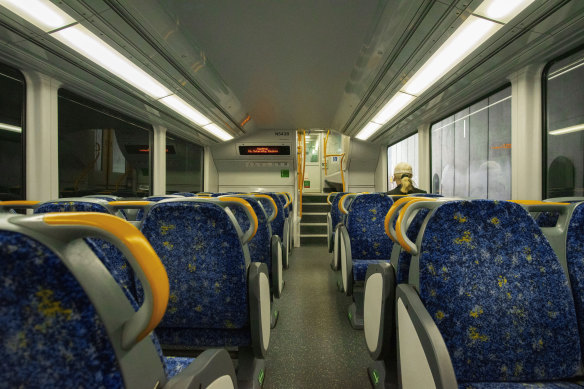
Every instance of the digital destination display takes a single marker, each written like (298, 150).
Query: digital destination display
(264, 150)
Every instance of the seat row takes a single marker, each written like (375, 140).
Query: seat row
(219, 296)
(477, 295)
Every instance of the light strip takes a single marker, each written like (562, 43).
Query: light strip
(50, 18)
(370, 129)
(43, 14)
(8, 127)
(393, 106)
(87, 44)
(218, 131)
(567, 130)
(179, 105)
(472, 33)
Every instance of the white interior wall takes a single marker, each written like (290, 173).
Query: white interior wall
(211, 177)
(361, 166)
(381, 171)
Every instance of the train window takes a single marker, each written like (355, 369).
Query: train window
(184, 165)
(101, 150)
(11, 134)
(471, 150)
(564, 139)
(403, 151)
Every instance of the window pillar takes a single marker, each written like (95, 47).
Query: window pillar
(42, 125)
(526, 138)
(159, 161)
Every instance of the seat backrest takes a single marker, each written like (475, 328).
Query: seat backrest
(65, 205)
(259, 246)
(336, 214)
(575, 262)
(365, 225)
(113, 259)
(201, 250)
(404, 259)
(278, 222)
(52, 335)
(497, 292)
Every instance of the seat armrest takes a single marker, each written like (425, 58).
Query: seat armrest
(212, 368)
(379, 311)
(346, 260)
(277, 267)
(259, 307)
(329, 232)
(423, 359)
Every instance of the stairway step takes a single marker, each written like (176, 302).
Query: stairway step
(313, 240)
(314, 217)
(315, 207)
(313, 228)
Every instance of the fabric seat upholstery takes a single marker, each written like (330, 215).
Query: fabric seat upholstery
(49, 322)
(200, 248)
(498, 294)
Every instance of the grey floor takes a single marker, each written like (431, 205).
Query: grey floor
(313, 345)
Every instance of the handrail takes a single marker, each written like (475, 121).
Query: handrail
(299, 173)
(325, 143)
(342, 155)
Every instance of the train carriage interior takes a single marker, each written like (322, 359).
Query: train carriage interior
(292, 194)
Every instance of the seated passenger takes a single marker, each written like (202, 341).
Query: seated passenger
(402, 176)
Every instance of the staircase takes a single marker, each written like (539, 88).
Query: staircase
(313, 223)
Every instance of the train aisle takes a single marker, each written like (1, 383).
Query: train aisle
(313, 345)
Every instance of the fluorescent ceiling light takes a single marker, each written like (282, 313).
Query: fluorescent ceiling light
(501, 10)
(471, 34)
(9, 127)
(179, 105)
(567, 130)
(87, 44)
(217, 131)
(392, 108)
(43, 14)
(368, 130)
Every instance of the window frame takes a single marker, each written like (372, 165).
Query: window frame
(544, 115)
(76, 98)
(17, 75)
(389, 175)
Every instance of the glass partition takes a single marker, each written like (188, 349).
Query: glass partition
(101, 151)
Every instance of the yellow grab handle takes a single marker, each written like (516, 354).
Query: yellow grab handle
(271, 200)
(395, 208)
(288, 200)
(398, 231)
(129, 203)
(328, 198)
(535, 202)
(247, 206)
(138, 245)
(18, 203)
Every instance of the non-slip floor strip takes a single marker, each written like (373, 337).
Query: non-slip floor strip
(313, 345)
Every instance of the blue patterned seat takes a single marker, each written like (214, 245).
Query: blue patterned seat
(112, 258)
(575, 261)
(71, 206)
(278, 222)
(498, 295)
(200, 248)
(46, 319)
(404, 259)
(64, 337)
(366, 230)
